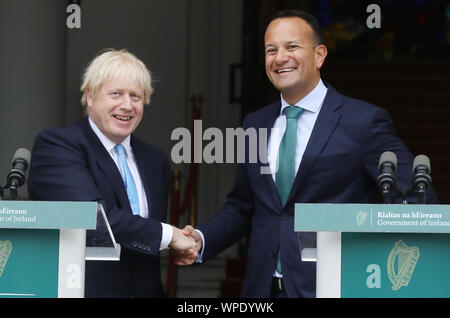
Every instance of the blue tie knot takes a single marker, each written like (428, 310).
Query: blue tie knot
(120, 149)
(292, 111)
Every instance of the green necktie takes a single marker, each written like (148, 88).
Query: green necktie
(285, 175)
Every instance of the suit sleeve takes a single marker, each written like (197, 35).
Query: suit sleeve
(378, 136)
(61, 171)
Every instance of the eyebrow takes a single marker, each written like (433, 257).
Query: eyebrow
(288, 42)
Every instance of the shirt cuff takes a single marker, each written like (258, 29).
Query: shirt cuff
(167, 233)
(200, 253)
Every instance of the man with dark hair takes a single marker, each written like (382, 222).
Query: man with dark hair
(324, 147)
(309, 19)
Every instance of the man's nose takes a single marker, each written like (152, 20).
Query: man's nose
(126, 102)
(281, 57)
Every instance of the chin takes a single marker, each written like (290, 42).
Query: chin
(120, 135)
(284, 89)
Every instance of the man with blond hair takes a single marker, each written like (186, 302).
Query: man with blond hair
(99, 159)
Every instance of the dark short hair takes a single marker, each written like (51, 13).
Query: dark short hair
(308, 18)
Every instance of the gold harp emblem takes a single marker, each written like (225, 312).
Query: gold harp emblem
(401, 263)
(5, 250)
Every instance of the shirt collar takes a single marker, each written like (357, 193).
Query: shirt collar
(311, 102)
(106, 142)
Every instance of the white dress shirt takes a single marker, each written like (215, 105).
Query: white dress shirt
(109, 145)
(311, 103)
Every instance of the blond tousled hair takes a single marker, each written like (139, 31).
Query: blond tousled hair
(113, 64)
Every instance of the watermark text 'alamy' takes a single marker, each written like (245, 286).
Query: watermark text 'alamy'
(230, 148)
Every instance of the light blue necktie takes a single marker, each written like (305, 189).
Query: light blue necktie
(285, 174)
(128, 180)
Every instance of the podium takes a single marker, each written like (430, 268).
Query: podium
(44, 245)
(378, 250)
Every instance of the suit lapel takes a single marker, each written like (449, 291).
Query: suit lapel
(267, 122)
(106, 164)
(324, 127)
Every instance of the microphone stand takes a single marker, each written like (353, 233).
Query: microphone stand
(386, 193)
(12, 190)
(421, 186)
(404, 196)
(421, 194)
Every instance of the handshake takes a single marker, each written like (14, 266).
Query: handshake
(185, 245)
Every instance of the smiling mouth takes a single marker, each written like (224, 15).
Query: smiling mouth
(285, 70)
(122, 118)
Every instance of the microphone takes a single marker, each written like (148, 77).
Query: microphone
(16, 177)
(386, 180)
(421, 178)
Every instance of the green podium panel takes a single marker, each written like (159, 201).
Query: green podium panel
(379, 250)
(29, 263)
(392, 265)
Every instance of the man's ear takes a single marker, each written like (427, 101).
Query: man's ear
(89, 98)
(321, 53)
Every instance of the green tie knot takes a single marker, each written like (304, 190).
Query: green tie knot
(292, 111)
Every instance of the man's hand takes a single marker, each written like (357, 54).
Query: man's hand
(181, 241)
(183, 257)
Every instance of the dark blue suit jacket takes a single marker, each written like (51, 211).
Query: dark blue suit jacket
(340, 165)
(71, 164)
